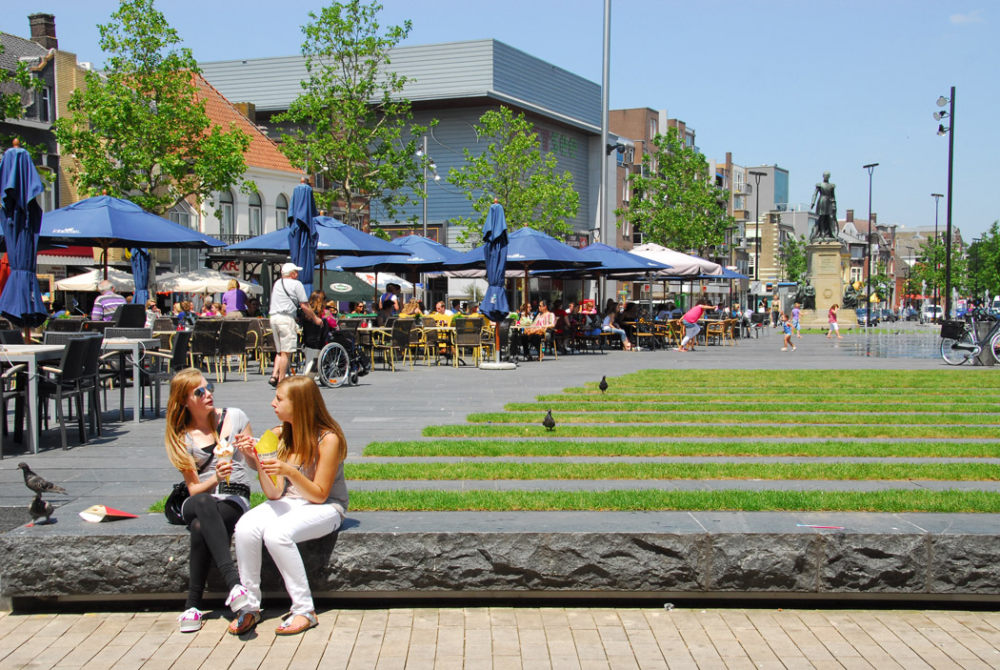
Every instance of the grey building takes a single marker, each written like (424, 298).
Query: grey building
(456, 83)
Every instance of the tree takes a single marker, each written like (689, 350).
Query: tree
(12, 103)
(513, 170)
(674, 202)
(929, 270)
(349, 123)
(139, 130)
(984, 263)
(793, 258)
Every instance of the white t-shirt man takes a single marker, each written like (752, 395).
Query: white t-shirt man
(286, 295)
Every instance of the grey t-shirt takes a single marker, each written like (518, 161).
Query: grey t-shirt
(204, 457)
(286, 296)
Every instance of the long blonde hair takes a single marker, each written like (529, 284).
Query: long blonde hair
(310, 417)
(178, 417)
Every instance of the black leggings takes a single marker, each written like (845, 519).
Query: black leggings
(211, 523)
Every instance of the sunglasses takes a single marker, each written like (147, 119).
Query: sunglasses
(202, 390)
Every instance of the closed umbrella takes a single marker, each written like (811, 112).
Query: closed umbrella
(21, 219)
(140, 273)
(494, 305)
(302, 236)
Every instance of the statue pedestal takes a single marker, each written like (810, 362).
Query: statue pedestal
(826, 275)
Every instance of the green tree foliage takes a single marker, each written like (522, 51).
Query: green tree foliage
(513, 170)
(793, 258)
(674, 201)
(11, 103)
(984, 263)
(928, 273)
(139, 130)
(350, 125)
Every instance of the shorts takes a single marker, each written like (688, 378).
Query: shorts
(286, 333)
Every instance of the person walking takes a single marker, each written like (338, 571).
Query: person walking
(796, 315)
(786, 326)
(308, 501)
(831, 318)
(287, 297)
(219, 487)
(691, 327)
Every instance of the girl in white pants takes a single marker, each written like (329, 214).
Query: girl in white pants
(308, 502)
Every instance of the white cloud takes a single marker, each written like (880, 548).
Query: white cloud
(975, 16)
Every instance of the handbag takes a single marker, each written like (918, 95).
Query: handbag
(179, 493)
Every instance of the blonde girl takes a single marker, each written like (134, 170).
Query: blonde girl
(308, 502)
(219, 488)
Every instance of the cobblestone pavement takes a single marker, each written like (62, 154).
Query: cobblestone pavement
(527, 637)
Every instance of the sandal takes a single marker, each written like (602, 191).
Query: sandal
(244, 622)
(273, 381)
(286, 627)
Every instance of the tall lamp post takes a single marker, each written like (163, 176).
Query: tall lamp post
(756, 222)
(428, 164)
(937, 198)
(868, 248)
(950, 130)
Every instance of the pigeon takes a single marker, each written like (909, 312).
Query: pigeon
(603, 385)
(548, 421)
(38, 484)
(39, 508)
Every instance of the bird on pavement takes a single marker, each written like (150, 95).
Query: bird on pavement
(39, 508)
(548, 421)
(38, 484)
(603, 385)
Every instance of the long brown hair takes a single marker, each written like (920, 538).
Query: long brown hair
(316, 300)
(310, 417)
(178, 417)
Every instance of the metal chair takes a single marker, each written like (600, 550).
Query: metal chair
(397, 339)
(204, 341)
(160, 366)
(63, 383)
(70, 325)
(468, 335)
(232, 342)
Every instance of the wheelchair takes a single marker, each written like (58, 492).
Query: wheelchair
(341, 360)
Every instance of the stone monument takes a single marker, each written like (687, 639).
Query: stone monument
(825, 258)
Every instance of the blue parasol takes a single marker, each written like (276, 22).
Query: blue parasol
(140, 275)
(494, 305)
(335, 237)
(302, 236)
(21, 219)
(425, 256)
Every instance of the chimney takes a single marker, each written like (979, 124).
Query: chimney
(247, 109)
(43, 30)
(850, 216)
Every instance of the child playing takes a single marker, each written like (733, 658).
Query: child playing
(796, 315)
(786, 325)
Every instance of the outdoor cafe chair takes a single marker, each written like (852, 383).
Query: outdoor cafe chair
(439, 342)
(64, 383)
(161, 366)
(388, 343)
(12, 387)
(715, 330)
(129, 315)
(645, 335)
(204, 342)
(90, 381)
(232, 342)
(11, 336)
(468, 336)
(70, 325)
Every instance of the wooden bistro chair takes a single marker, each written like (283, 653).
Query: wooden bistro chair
(389, 343)
(468, 336)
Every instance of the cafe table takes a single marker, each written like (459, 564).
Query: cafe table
(136, 346)
(32, 355)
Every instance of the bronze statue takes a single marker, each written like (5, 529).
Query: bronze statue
(825, 201)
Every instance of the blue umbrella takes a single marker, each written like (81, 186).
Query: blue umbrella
(302, 236)
(494, 304)
(334, 238)
(105, 222)
(140, 275)
(425, 256)
(21, 218)
(613, 262)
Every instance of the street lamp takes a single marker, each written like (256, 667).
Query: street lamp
(756, 223)
(937, 198)
(950, 129)
(428, 162)
(868, 247)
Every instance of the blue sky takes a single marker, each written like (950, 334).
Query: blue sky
(808, 85)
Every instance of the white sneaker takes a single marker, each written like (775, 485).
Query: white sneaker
(192, 620)
(238, 598)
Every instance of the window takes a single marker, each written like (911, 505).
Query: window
(45, 104)
(856, 274)
(256, 220)
(227, 220)
(184, 260)
(652, 128)
(280, 211)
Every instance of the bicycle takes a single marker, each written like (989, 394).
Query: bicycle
(958, 340)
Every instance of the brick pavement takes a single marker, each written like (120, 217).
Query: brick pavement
(529, 637)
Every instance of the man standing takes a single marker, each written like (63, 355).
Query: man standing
(107, 302)
(287, 296)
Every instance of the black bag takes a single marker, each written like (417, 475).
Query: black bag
(180, 493)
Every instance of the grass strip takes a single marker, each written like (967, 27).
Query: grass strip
(712, 430)
(798, 418)
(501, 470)
(890, 501)
(765, 395)
(570, 405)
(560, 448)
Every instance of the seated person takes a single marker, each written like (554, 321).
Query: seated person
(440, 315)
(609, 325)
(411, 309)
(535, 333)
